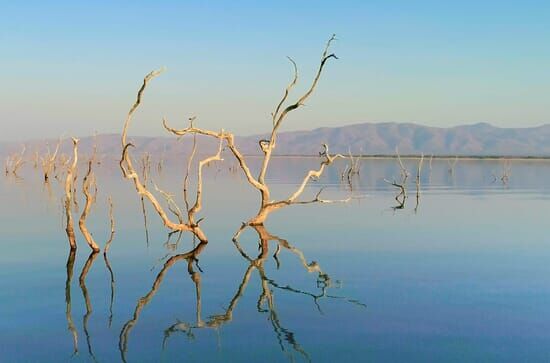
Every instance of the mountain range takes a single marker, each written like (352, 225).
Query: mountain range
(479, 139)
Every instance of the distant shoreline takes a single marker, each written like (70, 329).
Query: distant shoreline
(414, 156)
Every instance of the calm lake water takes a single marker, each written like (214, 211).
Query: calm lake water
(462, 276)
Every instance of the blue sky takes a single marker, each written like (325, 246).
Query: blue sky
(74, 67)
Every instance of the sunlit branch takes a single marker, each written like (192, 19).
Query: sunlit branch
(130, 173)
(89, 199)
(69, 196)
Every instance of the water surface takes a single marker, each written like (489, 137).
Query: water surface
(460, 276)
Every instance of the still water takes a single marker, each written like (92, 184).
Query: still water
(464, 275)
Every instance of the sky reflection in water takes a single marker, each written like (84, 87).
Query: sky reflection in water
(463, 278)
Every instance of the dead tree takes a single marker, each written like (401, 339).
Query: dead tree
(506, 171)
(351, 169)
(404, 172)
(86, 184)
(15, 162)
(48, 162)
(128, 171)
(269, 145)
(452, 165)
(69, 180)
(401, 197)
(418, 171)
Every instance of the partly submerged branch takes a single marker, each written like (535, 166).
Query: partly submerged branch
(86, 183)
(130, 173)
(69, 180)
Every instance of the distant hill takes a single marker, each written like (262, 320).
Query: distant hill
(382, 138)
(480, 139)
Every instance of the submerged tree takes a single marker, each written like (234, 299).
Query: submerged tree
(86, 184)
(48, 162)
(128, 171)
(14, 162)
(69, 196)
(267, 147)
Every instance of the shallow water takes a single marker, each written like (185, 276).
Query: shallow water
(460, 276)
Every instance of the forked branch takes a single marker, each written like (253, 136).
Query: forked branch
(130, 173)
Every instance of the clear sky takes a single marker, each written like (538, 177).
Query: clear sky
(73, 67)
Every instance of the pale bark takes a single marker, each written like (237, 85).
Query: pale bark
(69, 195)
(89, 200)
(15, 162)
(267, 146)
(130, 173)
(48, 162)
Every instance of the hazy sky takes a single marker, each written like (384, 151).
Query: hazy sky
(72, 68)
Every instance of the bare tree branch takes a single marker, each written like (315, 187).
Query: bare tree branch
(89, 199)
(69, 196)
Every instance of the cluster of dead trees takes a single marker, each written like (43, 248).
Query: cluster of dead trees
(89, 190)
(401, 183)
(185, 218)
